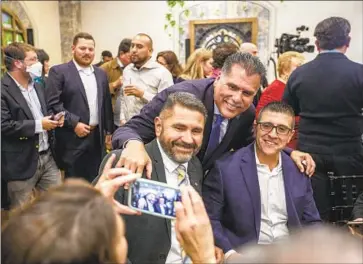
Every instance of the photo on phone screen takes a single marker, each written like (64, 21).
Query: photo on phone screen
(154, 198)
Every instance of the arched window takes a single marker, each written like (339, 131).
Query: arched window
(12, 30)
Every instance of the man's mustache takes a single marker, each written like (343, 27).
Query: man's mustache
(185, 145)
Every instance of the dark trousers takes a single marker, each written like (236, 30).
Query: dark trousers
(340, 165)
(86, 164)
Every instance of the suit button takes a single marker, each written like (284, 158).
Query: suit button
(162, 256)
(37, 146)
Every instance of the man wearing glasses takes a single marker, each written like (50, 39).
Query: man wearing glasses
(257, 194)
(228, 100)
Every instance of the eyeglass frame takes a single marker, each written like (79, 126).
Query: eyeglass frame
(275, 127)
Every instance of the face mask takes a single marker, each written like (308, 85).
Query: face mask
(35, 70)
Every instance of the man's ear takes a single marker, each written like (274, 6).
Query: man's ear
(292, 132)
(348, 41)
(317, 45)
(158, 126)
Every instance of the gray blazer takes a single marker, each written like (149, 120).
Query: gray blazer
(149, 237)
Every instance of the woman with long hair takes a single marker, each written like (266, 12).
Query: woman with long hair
(170, 61)
(199, 65)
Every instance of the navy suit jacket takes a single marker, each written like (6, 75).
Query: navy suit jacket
(231, 195)
(238, 134)
(65, 92)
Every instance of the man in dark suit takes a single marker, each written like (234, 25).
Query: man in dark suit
(257, 194)
(81, 90)
(26, 159)
(228, 101)
(179, 131)
(327, 95)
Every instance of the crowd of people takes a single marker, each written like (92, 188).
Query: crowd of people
(251, 159)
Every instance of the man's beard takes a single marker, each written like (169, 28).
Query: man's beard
(177, 157)
(81, 63)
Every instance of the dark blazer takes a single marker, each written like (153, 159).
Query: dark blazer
(231, 195)
(239, 131)
(149, 237)
(19, 143)
(65, 92)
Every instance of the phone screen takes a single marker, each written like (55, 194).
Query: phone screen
(154, 198)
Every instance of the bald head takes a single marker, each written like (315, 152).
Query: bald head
(146, 39)
(249, 48)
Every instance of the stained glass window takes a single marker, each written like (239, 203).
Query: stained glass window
(12, 30)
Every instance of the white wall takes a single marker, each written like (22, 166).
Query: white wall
(111, 21)
(291, 14)
(44, 16)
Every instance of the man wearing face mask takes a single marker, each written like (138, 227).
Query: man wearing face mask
(26, 159)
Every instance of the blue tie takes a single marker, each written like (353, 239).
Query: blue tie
(214, 134)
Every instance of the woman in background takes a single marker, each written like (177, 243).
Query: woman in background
(170, 61)
(199, 65)
(286, 64)
(43, 58)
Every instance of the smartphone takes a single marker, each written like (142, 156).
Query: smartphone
(58, 116)
(154, 198)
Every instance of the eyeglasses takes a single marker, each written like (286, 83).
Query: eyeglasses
(280, 129)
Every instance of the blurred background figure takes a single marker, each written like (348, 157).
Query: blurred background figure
(220, 54)
(114, 71)
(43, 58)
(170, 61)
(106, 56)
(252, 49)
(73, 223)
(249, 48)
(287, 63)
(313, 245)
(199, 65)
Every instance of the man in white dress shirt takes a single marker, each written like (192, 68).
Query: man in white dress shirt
(179, 133)
(142, 79)
(257, 194)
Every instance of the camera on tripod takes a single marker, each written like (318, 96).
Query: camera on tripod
(290, 42)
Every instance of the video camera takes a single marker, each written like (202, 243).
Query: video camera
(289, 42)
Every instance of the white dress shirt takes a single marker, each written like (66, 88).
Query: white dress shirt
(224, 124)
(90, 86)
(171, 174)
(273, 203)
(32, 100)
(152, 78)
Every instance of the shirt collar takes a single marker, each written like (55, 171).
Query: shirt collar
(169, 164)
(330, 51)
(30, 83)
(150, 64)
(86, 70)
(258, 163)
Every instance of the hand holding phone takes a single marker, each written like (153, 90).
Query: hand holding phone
(154, 198)
(58, 116)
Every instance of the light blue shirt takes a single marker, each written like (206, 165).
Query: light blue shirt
(224, 124)
(31, 97)
(330, 51)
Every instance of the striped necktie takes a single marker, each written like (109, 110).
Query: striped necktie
(182, 176)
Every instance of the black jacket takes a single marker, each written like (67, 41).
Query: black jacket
(19, 143)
